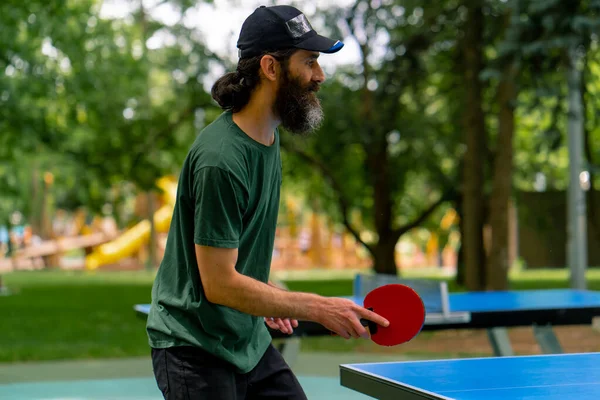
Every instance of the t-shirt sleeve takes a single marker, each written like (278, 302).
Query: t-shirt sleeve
(219, 208)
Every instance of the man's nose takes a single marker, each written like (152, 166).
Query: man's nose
(319, 75)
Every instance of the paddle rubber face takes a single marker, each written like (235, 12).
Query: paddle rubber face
(402, 307)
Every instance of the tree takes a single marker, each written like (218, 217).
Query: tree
(473, 212)
(26, 80)
(381, 145)
(94, 101)
(508, 63)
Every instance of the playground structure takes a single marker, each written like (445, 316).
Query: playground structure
(37, 254)
(101, 242)
(307, 239)
(133, 239)
(304, 239)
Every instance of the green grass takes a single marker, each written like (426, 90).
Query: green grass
(551, 278)
(339, 287)
(56, 315)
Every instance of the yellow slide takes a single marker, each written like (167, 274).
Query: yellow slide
(138, 235)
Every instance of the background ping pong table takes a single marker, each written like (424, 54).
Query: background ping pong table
(549, 377)
(493, 311)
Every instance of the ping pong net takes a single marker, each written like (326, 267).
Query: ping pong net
(434, 296)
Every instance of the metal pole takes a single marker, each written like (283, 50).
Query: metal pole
(577, 224)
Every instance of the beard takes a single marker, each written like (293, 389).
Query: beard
(298, 106)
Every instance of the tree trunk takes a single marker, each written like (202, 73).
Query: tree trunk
(460, 259)
(384, 260)
(498, 263)
(474, 208)
(46, 219)
(384, 250)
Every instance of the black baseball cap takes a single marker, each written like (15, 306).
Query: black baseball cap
(281, 27)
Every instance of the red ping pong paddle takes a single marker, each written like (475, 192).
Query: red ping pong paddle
(402, 307)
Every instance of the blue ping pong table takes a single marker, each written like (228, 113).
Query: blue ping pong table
(494, 311)
(549, 377)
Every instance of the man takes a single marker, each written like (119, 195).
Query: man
(211, 295)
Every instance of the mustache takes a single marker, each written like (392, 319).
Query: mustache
(314, 87)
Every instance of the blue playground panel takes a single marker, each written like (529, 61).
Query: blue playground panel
(549, 377)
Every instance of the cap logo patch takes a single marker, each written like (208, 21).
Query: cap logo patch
(298, 26)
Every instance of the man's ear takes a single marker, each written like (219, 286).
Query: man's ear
(269, 67)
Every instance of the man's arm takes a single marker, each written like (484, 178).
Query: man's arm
(284, 325)
(276, 284)
(224, 285)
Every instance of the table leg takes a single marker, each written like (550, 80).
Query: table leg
(547, 340)
(500, 341)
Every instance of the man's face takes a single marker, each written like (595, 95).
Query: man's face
(296, 102)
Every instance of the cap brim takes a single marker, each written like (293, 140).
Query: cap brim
(321, 44)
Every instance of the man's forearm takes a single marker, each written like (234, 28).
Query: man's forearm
(256, 298)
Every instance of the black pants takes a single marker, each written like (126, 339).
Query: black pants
(190, 373)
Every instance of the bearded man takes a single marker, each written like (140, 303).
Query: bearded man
(212, 300)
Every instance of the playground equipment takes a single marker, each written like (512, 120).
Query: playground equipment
(137, 236)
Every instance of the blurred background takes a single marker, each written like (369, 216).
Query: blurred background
(460, 144)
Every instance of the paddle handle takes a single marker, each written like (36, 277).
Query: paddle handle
(369, 324)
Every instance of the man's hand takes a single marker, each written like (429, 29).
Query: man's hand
(343, 317)
(285, 325)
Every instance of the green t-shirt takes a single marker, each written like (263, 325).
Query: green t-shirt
(227, 196)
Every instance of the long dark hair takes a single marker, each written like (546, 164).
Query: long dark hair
(232, 91)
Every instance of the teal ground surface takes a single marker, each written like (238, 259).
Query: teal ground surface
(316, 388)
(132, 378)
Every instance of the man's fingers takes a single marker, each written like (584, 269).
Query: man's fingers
(271, 324)
(281, 325)
(359, 329)
(343, 333)
(356, 329)
(276, 323)
(371, 316)
(285, 325)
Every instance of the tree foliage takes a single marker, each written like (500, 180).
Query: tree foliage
(96, 100)
(110, 104)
